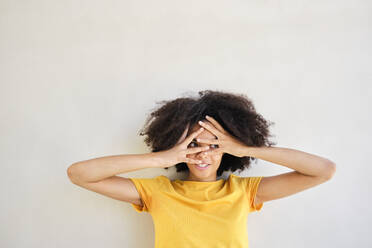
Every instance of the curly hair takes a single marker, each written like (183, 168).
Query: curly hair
(234, 112)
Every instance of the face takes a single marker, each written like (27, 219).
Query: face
(209, 173)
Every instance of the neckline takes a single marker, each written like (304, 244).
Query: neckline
(201, 182)
(193, 182)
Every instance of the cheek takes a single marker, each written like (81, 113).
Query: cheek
(190, 155)
(217, 157)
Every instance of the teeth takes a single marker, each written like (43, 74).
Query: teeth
(203, 165)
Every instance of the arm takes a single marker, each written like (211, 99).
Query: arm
(98, 175)
(310, 170)
(94, 170)
(302, 162)
(97, 169)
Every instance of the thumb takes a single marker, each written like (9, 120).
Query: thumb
(183, 136)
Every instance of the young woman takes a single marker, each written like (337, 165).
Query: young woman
(204, 136)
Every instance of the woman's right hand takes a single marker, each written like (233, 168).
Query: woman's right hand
(178, 153)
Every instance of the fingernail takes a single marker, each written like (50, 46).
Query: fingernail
(200, 122)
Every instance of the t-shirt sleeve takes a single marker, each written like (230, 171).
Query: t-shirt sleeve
(145, 187)
(252, 187)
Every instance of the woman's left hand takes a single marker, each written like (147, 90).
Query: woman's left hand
(225, 141)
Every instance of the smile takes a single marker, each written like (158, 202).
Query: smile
(202, 166)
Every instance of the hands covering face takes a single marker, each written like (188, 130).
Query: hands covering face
(226, 142)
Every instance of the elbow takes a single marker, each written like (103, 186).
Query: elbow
(71, 172)
(331, 170)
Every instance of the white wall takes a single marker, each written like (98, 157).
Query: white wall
(78, 79)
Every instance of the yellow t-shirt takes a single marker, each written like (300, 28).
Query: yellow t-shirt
(192, 214)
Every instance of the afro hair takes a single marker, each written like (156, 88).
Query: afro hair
(234, 112)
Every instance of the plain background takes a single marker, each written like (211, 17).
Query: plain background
(78, 79)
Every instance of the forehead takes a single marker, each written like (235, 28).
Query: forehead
(206, 133)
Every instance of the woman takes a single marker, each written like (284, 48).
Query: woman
(204, 136)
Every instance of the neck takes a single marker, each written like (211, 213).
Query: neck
(193, 178)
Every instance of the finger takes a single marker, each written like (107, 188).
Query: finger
(213, 152)
(193, 135)
(208, 141)
(215, 123)
(183, 136)
(210, 128)
(197, 149)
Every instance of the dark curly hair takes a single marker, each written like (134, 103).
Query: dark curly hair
(234, 112)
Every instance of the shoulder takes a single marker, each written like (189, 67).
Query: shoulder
(236, 178)
(247, 181)
(160, 178)
(151, 181)
(161, 181)
(152, 184)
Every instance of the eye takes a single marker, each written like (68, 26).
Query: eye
(215, 146)
(194, 144)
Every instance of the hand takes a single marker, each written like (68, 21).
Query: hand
(177, 154)
(225, 141)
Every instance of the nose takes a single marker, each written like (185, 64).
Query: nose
(202, 154)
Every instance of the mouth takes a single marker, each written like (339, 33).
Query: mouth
(202, 166)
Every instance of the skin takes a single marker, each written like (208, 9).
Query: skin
(99, 174)
(209, 174)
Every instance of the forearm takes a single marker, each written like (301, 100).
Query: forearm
(96, 169)
(302, 162)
